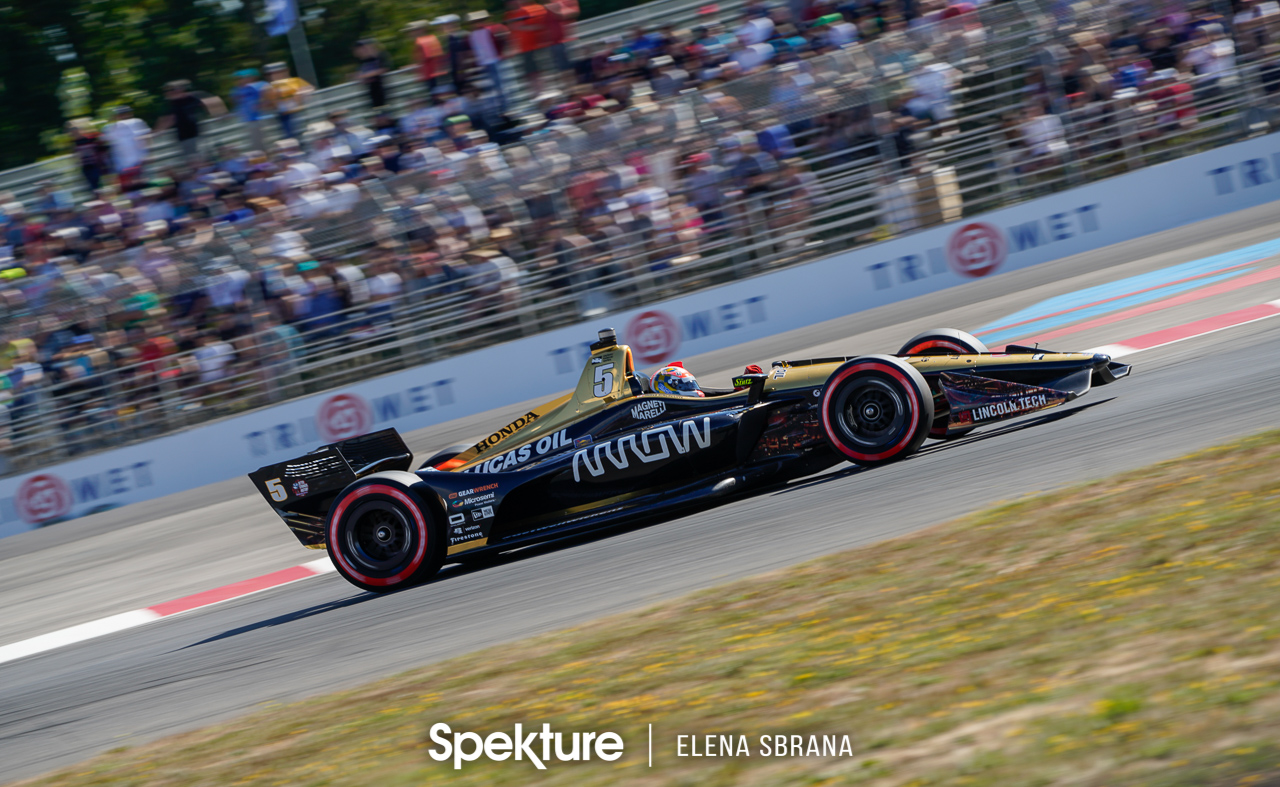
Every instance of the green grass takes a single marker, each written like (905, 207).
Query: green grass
(1118, 633)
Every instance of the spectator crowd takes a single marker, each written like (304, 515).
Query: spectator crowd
(219, 267)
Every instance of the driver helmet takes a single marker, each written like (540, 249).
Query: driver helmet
(677, 381)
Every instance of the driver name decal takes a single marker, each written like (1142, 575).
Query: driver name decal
(648, 446)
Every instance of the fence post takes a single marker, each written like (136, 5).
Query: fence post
(45, 405)
(1127, 125)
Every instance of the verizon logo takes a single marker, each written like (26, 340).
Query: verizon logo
(648, 446)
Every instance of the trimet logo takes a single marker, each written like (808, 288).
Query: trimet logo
(344, 416)
(43, 497)
(655, 336)
(976, 249)
(468, 746)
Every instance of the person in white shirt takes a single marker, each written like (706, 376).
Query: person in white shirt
(752, 57)
(897, 203)
(1250, 23)
(129, 138)
(354, 282)
(387, 284)
(1212, 56)
(213, 357)
(842, 33)
(933, 83)
(422, 122)
(1043, 135)
(484, 48)
(226, 288)
(755, 31)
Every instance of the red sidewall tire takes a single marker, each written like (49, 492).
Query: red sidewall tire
(423, 538)
(943, 341)
(915, 399)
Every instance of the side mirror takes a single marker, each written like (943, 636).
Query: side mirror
(755, 385)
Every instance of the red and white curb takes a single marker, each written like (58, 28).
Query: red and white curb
(139, 617)
(1192, 330)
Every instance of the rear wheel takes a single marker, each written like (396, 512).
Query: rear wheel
(444, 455)
(944, 341)
(876, 409)
(382, 538)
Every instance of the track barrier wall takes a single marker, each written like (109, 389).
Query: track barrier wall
(1157, 198)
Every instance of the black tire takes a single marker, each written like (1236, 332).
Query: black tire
(445, 454)
(944, 341)
(380, 535)
(876, 409)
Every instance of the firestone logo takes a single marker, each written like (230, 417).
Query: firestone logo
(343, 416)
(976, 249)
(43, 497)
(654, 335)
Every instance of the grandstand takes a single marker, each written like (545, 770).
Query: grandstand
(24, 182)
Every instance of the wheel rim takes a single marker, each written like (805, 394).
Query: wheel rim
(872, 413)
(379, 537)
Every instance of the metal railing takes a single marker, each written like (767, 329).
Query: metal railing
(568, 277)
(1024, 21)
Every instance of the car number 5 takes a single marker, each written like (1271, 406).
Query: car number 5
(276, 489)
(604, 381)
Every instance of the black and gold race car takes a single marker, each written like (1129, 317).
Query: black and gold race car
(614, 451)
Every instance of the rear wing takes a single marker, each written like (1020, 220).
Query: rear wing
(301, 490)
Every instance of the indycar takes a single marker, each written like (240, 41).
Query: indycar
(613, 451)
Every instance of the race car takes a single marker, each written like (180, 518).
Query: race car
(615, 451)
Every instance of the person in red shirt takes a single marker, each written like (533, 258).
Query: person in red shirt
(560, 18)
(528, 24)
(428, 54)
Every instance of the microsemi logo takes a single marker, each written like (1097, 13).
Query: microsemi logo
(567, 747)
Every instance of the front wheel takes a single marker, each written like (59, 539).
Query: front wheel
(876, 409)
(944, 341)
(381, 537)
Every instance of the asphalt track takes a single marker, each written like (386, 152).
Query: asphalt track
(322, 634)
